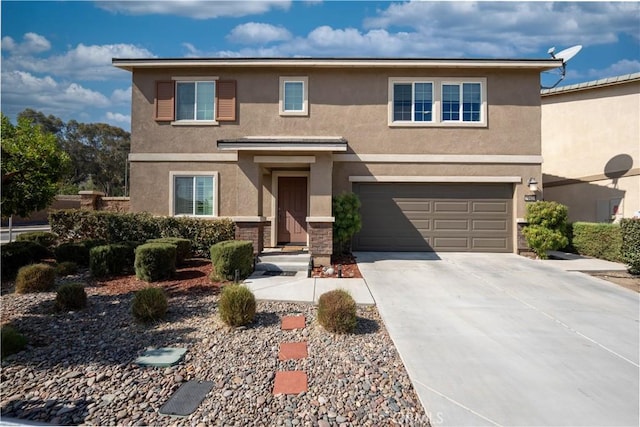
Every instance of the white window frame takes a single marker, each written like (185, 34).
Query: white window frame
(413, 102)
(192, 174)
(436, 111)
(195, 79)
(305, 95)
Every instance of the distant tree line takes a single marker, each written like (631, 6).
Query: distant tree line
(97, 152)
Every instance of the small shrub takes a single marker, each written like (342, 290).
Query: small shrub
(77, 252)
(18, 254)
(547, 227)
(348, 221)
(232, 255)
(35, 278)
(111, 259)
(44, 238)
(598, 240)
(237, 305)
(71, 296)
(12, 340)
(66, 268)
(337, 311)
(155, 261)
(631, 244)
(183, 247)
(149, 304)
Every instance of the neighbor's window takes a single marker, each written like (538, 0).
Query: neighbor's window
(193, 195)
(461, 102)
(412, 102)
(293, 95)
(195, 100)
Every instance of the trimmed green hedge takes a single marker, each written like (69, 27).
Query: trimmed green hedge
(232, 255)
(155, 261)
(75, 224)
(111, 259)
(43, 238)
(598, 240)
(77, 252)
(183, 247)
(18, 254)
(631, 244)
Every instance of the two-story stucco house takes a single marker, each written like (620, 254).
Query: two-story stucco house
(438, 150)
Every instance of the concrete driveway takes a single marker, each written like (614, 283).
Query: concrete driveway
(498, 339)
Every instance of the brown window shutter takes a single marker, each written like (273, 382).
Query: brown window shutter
(164, 104)
(226, 100)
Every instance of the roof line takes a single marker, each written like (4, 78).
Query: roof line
(593, 84)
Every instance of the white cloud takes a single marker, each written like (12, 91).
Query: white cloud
(194, 9)
(622, 67)
(22, 90)
(117, 117)
(121, 96)
(32, 43)
(258, 33)
(84, 62)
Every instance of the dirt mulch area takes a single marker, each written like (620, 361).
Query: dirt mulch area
(621, 278)
(345, 261)
(192, 277)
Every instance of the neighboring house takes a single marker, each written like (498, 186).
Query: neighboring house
(591, 148)
(438, 150)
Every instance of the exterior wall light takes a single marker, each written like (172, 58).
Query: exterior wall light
(533, 184)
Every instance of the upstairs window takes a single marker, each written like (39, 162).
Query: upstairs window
(461, 102)
(195, 100)
(192, 100)
(437, 102)
(293, 96)
(412, 102)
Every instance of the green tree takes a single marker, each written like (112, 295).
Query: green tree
(346, 211)
(547, 227)
(33, 165)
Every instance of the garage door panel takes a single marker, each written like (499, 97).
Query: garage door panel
(489, 207)
(450, 207)
(435, 217)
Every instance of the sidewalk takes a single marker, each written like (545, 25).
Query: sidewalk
(299, 288)
(572, 262)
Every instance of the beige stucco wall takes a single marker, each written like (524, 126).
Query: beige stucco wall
(592, 136)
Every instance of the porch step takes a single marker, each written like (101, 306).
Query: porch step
(282, 261)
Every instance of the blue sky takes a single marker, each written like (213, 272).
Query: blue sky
(56, 56)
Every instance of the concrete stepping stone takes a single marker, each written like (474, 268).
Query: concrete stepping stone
(161, 357)
(290, 382)
(293, 322)
(186, 399)
(293, 350)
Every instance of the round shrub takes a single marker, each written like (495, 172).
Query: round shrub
(12, 340)
(44, 238)
(149, 304)
(155, 261)
(111, 259)
(71, 296)
(35, 278)
(183, 247)
(66, 268)
(72, 252)
(337, 311)
(229, 256)
(237, 305)
(19, 254)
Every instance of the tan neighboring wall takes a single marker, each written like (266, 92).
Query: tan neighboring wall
(591, 148)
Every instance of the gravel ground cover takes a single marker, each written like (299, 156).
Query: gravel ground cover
(78, 368)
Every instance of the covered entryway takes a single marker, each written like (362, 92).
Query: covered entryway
(435, 217)
(292, 210)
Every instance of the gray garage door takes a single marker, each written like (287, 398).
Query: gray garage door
(434, 217)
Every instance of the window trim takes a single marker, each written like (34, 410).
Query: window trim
(436, 111)
(305, 95)
(194, 79)
(193, 174)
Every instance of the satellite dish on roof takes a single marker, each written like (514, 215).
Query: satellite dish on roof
(565, 55)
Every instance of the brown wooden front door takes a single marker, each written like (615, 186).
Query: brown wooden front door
(292, 210)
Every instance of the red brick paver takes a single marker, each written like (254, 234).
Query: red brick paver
(290, 382)
(293, 350)
(293, 322)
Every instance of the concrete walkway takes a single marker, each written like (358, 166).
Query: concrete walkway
(299, 288)
(573, 262)
(499, 339)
